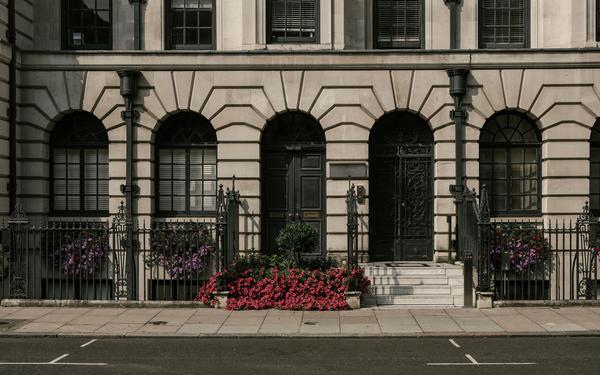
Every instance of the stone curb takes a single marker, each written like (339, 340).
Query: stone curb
(302, 336)
(101, 304)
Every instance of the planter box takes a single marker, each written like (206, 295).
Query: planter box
(353, 299)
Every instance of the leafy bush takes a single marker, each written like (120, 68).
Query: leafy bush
(182, 249)
(519, 246)
(295, 239)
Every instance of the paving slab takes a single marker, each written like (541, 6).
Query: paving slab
(581, 316)
(361, 329)
(30, 313)
(550, 320)
(40, 327)
(56, 318)
(239, 329)
(153, 328)
(136, 316)
(118, 328)
(199, 329)
(435, 321)
(8, 310)
(477, 324)
(78, 328)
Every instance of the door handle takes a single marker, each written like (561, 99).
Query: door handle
(298, 218)
(291, 216)
(403, 204)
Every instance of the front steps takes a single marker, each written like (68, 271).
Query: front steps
(414, 284)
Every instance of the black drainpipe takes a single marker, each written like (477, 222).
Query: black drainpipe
(454, 22)
(137, 23)
(458, 90)
(129, 86)
(12, 108)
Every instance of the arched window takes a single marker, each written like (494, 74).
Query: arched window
(595, 169)
(186, 166)
(509, 163)
(79, 157)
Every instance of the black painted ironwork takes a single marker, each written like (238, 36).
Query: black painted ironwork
(94, 259)
(352, 225)
(401, 199)
(545, 260)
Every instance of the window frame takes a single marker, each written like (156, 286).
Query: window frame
(422, 30)
(595, 145)
(293, 40)
(507, 147)
(162, 145)
(597, 20)
(81, 147)
(64, 25)
(526, 29)
(197, 47)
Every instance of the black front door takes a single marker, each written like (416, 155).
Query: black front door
(292, 191)
(401, 191)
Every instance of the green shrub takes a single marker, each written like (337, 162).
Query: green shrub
(296, 239)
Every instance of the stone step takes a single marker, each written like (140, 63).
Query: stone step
(414, 290)
(399, 271)
(410, 273)
(412, 280)
(413, 300)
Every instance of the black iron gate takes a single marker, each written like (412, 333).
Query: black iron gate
(401, 202)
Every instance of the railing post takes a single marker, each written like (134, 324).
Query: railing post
(352, 224)
(19, 230)
(221, 239)
(232, 201)
(468, 278)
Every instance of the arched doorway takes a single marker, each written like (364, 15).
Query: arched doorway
(293, 176)
(401, 189)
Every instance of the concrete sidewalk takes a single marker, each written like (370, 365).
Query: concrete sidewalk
(366, 322)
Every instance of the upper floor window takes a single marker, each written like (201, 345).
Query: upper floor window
(503, 23)
(509, 163)
(293, 21)
(399, 23)
(186, 166)
(79, 158)
(87, 24)
(190, 24)
(595, 169)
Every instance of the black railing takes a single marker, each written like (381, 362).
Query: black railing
(550, 260)
(547, 260)
(102, 260)
(352, 225)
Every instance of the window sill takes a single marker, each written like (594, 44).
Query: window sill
(300, 46)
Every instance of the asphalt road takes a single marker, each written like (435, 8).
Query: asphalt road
(523, 355)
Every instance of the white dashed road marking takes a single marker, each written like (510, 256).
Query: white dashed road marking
(88, 343)
(58, 359)
(454, 343)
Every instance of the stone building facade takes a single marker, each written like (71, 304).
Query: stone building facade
(247, 84)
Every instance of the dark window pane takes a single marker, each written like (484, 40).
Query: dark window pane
(177, 36)
(177, 18)
(205, 36)
(191, 19)
(103, 19)
(191, 36)
(103, 36)
(205, 19)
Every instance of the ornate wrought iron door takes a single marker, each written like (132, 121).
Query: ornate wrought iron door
(401, 189)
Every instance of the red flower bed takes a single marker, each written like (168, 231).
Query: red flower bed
(293, 289)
